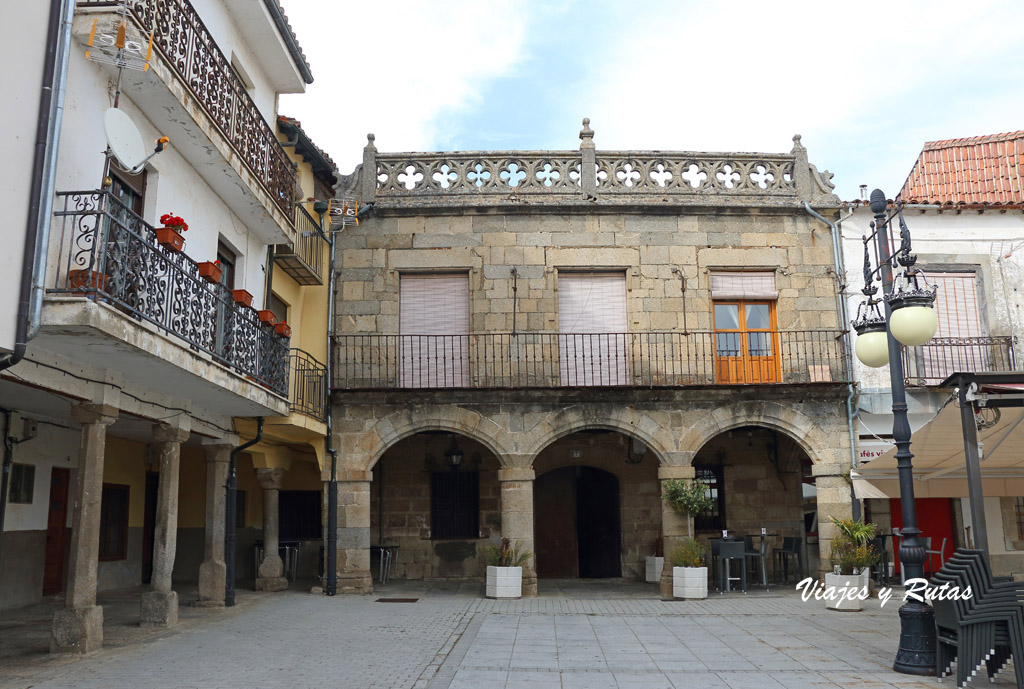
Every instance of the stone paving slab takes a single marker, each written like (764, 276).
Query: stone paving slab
(452, 638)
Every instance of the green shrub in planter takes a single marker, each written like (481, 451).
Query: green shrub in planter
(508, 555)
(687, 497)
(691, 553)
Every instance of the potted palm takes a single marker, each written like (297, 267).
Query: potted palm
(852, 557)
(689, 570)
(505, 569)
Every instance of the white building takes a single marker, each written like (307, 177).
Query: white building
(963, 204)
(141, 361)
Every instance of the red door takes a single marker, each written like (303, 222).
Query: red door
(935, 520)
(56, 532)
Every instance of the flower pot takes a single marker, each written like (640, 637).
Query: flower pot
(504, 582)
(690, 582)
(267, 316)
(170, 239)
(88, 280)
(242, 297)
(283, 329)
(846, 584)
(210, 271)
(654, 567)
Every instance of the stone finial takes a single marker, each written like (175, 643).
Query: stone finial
(797, 146)
(586, 134)
(368, 172)
(370, 138)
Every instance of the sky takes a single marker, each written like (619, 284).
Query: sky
(865, 83)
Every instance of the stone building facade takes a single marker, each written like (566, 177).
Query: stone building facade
(600, 321)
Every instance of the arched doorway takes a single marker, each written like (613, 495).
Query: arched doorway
(577, 530)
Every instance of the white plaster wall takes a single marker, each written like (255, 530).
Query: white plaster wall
(173, 185)
(53, 447)
(25, 49)
(991, 240)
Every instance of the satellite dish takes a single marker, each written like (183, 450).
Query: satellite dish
(124, 139)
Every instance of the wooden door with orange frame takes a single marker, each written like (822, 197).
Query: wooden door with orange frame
(746, 342)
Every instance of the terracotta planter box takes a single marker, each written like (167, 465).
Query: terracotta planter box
(210, 271)
(170, 239)
(242, 297)
(283, 329)
(267, 316)
(88, 279)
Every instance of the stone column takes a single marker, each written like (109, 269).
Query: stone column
(517, 518)
(78, 627)
(675, 527)
(213, 571)
(271, 573)
(833, 501)
(159, 607)
(354, 532)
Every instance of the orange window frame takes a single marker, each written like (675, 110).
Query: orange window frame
(747, 368)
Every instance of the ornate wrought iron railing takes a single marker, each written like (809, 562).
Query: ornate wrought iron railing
(932, 363)
(186, 44)
(308, 385)
(554, 360)
(304, 260)
(109, 253)
(632, 172)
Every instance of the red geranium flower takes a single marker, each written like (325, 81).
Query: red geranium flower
(175, 221)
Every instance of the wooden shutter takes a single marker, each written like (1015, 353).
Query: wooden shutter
(957, 305)
(592, 343)
(433, 323)
(743, 285)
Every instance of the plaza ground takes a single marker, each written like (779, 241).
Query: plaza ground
(439, 635)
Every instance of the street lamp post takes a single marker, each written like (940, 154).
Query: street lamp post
(909, 319)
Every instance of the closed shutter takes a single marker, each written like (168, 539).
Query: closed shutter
(433, 322)
(743, 285)
(592, 343)
(956, 305)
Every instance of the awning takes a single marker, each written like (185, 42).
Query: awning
(938, 448)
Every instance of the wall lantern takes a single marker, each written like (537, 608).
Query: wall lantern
(454, 455)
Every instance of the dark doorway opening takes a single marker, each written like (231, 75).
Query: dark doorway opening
(56, 532)
(577, 530)
(149, 525)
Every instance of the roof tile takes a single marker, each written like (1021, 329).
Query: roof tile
(981, 169)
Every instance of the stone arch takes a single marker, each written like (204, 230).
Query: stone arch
(625, 420)
(407, 422)
(785, 419)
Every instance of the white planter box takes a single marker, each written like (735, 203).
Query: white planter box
(849, 582)
(654, 567)
(690, 582)
(504, 582)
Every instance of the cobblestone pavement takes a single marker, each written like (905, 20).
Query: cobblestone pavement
(577, 635)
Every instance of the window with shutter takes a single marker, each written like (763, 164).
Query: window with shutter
(433, 325)
(593, 344)
(455, 504)
(951, 350)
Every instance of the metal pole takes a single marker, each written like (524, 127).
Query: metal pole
(230, 533)
(916, 653)
(971, 456)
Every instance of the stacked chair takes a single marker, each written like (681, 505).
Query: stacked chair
(985, 629)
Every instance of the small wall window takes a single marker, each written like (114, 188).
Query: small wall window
(300, 515)
(455, 504)
(114, 522)
(713, 478)
(23, 483)
(278, 307)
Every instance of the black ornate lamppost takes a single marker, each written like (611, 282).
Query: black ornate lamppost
(910, 316)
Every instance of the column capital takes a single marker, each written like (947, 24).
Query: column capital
(166, 433)
(230, 439)
(671, 472)
(94, 413)
(270, 479)
(516, 474)
(348, 475)
(218, 452)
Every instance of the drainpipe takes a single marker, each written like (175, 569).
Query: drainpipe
(230, 534)
(843, 315)
(8, 459)
(44, 171)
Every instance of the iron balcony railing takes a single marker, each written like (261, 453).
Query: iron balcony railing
(304, 260)
(553, 360)
(108, 253)
(308, 385)
(932, 363)
(187, 46)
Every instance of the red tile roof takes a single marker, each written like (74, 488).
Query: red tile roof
(976, 170)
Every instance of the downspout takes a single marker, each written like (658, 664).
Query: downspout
(230, 533)
(840, 270)
(8, 460)
(44, 171)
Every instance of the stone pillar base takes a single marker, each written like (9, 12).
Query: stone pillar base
(212, 577)
(529, 586)
(158, 609)
(271, 584)
(354, 583)
(77, 630)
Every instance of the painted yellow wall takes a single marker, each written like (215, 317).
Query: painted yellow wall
(192, 488)
(124, 462)
(253, 493)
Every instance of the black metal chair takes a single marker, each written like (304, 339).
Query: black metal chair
(881, 570)
(755, 554)
(727, 552)
(780, 556)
